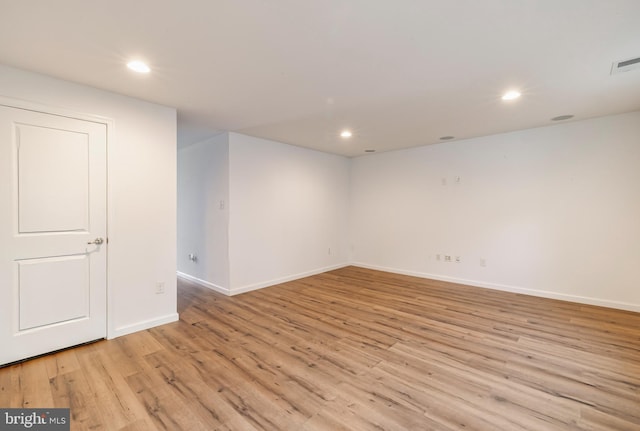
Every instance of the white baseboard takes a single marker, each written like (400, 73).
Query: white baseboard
(514, 289)
(203, 283)
(141, 326)
(256, 286)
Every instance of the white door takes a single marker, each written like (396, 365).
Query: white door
(52, 220)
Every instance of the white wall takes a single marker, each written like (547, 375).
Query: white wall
(288, 207)
(203, 183)
(554, 211)
(141, 194)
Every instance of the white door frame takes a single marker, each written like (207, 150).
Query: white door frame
(110, 125)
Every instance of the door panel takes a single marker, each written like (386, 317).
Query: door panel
(41, 284)
(53, 195)
(53, 179)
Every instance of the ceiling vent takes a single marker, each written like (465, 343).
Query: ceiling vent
(625, 65)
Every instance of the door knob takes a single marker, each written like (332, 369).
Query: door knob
(96, 241)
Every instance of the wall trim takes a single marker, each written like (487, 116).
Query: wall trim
(263, 284)
(203, 283)
(141, 326)
(507, 288)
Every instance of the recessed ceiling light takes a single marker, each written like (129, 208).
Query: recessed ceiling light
(562, 117)
(346, 134)
(446, 138)
(138, 66)
(511, 95)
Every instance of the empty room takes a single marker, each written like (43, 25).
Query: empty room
(320, 215)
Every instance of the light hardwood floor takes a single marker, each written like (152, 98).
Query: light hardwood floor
(351, 349)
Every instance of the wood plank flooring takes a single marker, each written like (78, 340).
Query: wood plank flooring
(352, 349)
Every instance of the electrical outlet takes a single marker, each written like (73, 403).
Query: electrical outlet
(221, 205)
(193, 257)
(458, 260)
(483, 261)
(447, 258)
(159, 287)
(438, 257)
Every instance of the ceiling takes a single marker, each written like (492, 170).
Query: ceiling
(397, 73)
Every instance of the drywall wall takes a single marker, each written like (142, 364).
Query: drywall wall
(203, 201)
(141, 194)
(288, 212)
(552, 211)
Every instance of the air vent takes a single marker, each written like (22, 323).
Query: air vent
(625, 65)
